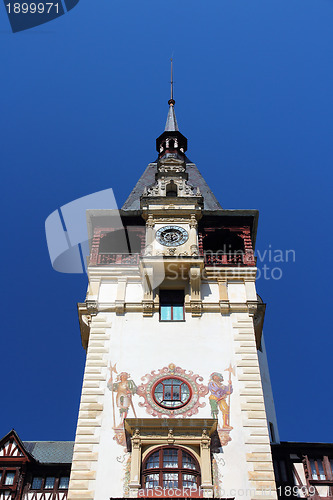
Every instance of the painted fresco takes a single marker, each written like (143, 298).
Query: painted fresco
(123, 389)
(219, 401)
(150, 381)
(171, 392)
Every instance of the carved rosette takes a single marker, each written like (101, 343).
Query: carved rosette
(198, 389)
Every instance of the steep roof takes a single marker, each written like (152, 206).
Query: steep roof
(52, 452)
(171, 123)
(194, 178)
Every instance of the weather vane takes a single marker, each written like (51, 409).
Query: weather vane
(171, 100)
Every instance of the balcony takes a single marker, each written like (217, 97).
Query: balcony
(211, 259)
(229, 259)
(113, 259)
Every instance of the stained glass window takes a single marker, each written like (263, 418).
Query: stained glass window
(170, 480)
(171, 467)
(151, 481)
(172, 393)
(154, 461)
(189, 481)
(170, 458)
(188, 461)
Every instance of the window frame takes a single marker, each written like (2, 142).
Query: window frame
(41, 484)
(161, 470)
(9, 471)
(172, 304)
(56, 484)
(159, 381)
(327, 468)
(3, 474)
(59, 481)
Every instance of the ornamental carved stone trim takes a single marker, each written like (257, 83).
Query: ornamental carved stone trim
(91, 306)
(198, 390)
(148, 307)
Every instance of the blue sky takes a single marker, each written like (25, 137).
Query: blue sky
(83, 99)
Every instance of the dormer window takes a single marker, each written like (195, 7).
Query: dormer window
(171, 189)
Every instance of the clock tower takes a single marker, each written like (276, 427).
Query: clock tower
(176, 399)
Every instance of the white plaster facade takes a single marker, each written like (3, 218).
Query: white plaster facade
(139, 345)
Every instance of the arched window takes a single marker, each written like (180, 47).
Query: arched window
(170, 467)
(171, 189)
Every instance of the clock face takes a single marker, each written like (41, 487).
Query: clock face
(171, 236)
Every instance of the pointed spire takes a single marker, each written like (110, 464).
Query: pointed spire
(171, 123)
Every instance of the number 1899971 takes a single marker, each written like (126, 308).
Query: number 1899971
(32, 8)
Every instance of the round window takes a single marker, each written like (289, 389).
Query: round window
(171, 392)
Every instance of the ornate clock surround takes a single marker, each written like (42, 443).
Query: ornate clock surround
(171, 235)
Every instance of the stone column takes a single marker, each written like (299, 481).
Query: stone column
(223, 296)
(134, 484)
(193, 236)
(195, 282)
(120, 298)
(206, 474)
(150, 235)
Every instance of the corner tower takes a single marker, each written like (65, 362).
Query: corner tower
(173, 399)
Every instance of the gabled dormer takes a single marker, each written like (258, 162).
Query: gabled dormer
(12, 448)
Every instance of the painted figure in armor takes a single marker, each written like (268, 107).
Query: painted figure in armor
(125, 389)
(219, 394)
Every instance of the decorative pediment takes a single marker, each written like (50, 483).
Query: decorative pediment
(12, 447)
(171, 165)
(178, 186)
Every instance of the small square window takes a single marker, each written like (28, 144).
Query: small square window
(49, 483)
(172, 305)
(9, 478)
(63, 483)
(37, 483)
(317, 469)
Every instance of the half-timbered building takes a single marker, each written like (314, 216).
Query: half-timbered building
(34, 470)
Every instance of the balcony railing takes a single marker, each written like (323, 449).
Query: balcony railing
(129, 259)
(229, 259)
(211, 259)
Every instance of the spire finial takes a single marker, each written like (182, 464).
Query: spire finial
(171, 101)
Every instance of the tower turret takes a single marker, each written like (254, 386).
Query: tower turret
(171, 143)
(173, 403)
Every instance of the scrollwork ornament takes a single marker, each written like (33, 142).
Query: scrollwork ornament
(198, 390)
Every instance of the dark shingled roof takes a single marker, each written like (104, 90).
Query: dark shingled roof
(194, 178)
(51, 452)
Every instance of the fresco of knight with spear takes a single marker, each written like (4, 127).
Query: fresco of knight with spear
(219, 398)
(124, 388)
